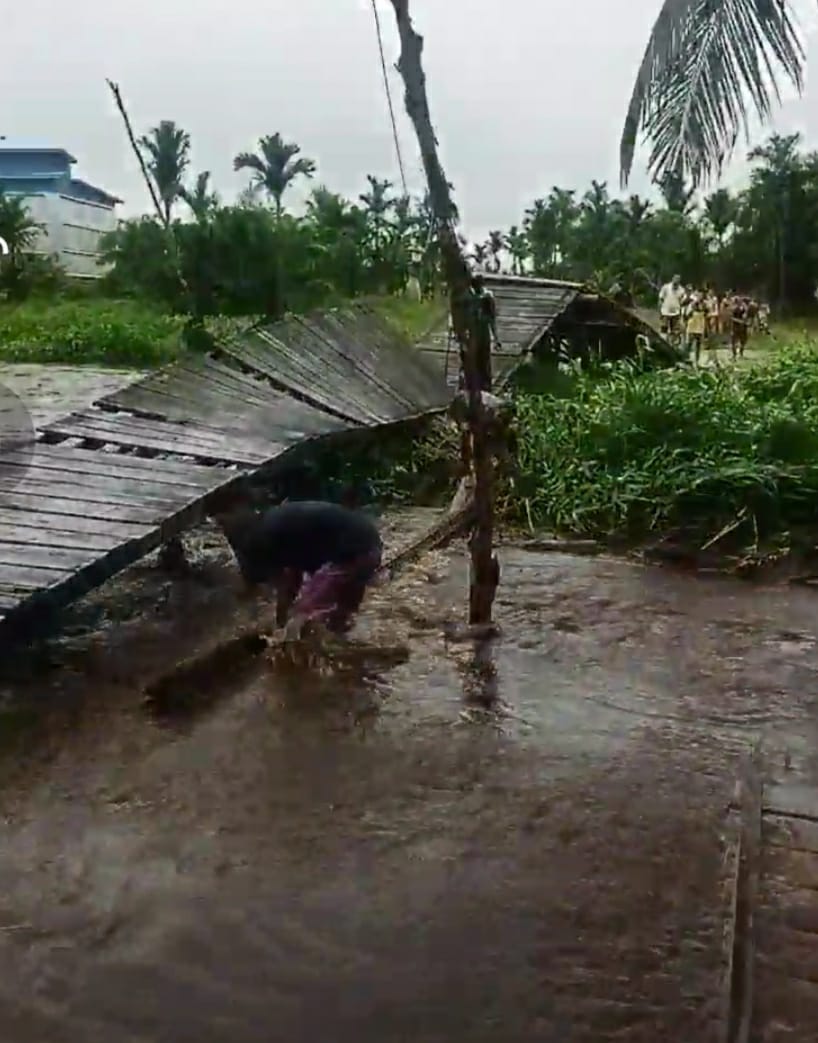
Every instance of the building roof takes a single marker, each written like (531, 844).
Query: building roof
(10, 144)
(95, 190)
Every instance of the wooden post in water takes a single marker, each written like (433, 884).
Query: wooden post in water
(469, 325)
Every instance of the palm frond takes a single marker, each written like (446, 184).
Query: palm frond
(249, 161)
(276, 151)
(707, 64)
(302, 166)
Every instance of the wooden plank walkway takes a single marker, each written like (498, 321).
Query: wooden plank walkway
(526, 310)
(786, 963)
(529, 308)
(110, 483)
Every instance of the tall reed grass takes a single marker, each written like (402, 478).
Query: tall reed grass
(628, 454)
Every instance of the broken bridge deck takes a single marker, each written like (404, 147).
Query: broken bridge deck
(104, 486)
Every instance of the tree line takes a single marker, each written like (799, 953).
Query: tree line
(203, 256)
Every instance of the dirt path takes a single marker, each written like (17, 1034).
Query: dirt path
(379, 858)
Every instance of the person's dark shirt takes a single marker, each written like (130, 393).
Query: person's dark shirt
(302, 535)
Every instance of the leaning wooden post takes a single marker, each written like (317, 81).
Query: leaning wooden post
(466, 319)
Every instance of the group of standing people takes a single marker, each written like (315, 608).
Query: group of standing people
(706, 319)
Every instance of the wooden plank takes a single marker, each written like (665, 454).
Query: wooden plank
(751, 814)
(277, 424)
(73, 458)
(141, 485)
(267, 440)
(49, 505)
(168, 432)
(30, 535)
(11, 519)
(181, 445)
(109, 465)
(731, 867)
(208, 373)
(245, 384)
(185, 389)
(336, 370)
(102, 490)
(355, 367)
(797, 834)
(54, 559)
(29, 578)
(311, 348)
(793, 799)
(302, 373)
(417, 378)
(28, 581)
(256, 390)
(397, 361)
(349, 339)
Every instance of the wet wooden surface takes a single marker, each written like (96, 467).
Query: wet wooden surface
(786, 964)
(107, 484)
(526, 310)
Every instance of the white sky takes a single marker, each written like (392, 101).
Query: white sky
(524, 94)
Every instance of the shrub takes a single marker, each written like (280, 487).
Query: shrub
(632, 454)
(109, 333)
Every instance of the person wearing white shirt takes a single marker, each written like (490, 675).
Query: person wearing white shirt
(671, 298)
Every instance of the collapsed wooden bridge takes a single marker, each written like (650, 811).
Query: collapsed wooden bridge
(539, 317)
(106, 485)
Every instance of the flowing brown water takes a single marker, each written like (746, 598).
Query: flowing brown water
(377, 859)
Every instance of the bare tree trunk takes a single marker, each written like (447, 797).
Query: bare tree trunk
(465, 321)
(120, 104)
(172, 556)
(163, 212)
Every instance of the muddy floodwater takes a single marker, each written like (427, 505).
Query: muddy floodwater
(381, 857)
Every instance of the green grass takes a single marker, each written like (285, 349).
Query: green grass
(97, 331)
(413, 319)
(633, 455)
(90, 331)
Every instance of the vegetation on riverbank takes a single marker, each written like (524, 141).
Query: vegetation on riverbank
(723, 459)
(88, 332)
(138, 334)
(723, 456)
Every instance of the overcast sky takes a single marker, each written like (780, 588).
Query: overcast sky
(524, 93)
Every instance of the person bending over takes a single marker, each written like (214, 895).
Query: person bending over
(320, 557)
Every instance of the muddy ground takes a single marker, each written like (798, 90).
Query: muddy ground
(380, 857)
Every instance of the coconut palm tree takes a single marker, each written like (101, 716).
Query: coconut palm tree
(479, 254)
(720, 210)
(518, 248)
(18, 228)
(20, 232)
(201, 200)
(167, 155)
(495, 244)
(276, 165)
(678, 196)
(636, 212)
(541, 226)
(708, 65)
